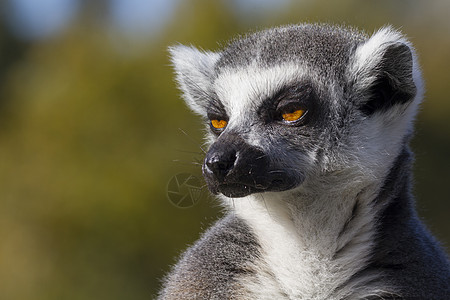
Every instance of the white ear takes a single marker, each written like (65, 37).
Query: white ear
(370, 52)
(194, 70)
(386, 63)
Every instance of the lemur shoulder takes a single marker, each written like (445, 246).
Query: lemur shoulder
(308, 136)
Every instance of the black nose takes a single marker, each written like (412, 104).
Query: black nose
(220, 163)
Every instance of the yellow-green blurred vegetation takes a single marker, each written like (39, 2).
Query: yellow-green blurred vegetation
(89, 131)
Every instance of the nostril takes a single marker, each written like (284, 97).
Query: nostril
(220, 164)
(223, 166)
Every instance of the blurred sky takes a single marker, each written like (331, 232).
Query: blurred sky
(35, 19)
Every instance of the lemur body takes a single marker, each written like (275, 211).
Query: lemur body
(310, 126)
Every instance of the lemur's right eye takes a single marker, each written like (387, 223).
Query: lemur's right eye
(218, 120)
(219, 124)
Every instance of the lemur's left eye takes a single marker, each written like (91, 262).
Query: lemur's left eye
(293, 116)
(291, 105)
(291, 112)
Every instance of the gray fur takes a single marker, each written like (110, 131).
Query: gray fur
(324, 208)
(208, 269)
(405, 253)
(303, 43)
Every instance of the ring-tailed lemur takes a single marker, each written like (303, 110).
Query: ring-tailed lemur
(309, 132)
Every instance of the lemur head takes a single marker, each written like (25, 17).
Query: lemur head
(298, 103)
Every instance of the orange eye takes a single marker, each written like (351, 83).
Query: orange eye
(219, 124)
(293, 116)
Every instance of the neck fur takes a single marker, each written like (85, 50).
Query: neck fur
(315, 238)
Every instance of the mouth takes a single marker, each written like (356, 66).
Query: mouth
(239, 190)
(238, 170)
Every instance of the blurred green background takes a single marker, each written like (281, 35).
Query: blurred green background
(90, 134)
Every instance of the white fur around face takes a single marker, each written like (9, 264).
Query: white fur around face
(243, 90)
(380, 137)
(378, 141)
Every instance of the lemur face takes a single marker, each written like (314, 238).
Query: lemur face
(291, 103)
(266, 130)
(263, 144)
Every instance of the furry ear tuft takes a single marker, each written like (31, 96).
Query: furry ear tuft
(194, 72)
(385, 70)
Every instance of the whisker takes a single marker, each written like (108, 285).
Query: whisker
(265, 205)
(190, 152)
(283, 171)
(193, 140)
(186, 163)
(262, 156)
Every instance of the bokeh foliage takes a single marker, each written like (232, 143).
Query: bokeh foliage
(89, 131)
